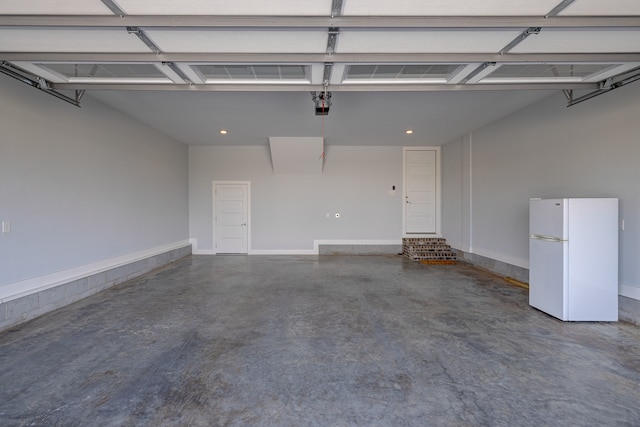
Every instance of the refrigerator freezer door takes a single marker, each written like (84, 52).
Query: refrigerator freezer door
(548, 217)
(547, 276)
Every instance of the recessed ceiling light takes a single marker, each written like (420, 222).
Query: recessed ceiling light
(223, 131)
(408, 131)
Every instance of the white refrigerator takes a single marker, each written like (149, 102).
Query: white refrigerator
(573, 258)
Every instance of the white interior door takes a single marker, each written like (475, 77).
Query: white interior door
(421, 191)
(231, 218)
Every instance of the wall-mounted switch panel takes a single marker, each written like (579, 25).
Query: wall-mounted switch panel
(6, 226)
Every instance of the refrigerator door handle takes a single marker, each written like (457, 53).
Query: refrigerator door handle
(547, 238)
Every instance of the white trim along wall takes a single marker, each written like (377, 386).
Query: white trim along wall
(545, 150)
(93, 197)
(290, 214)
(22, 288)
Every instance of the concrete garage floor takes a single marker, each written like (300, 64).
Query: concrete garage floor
(303, 341)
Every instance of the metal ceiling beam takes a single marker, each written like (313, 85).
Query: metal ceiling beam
(144, 39)
(489, 67)
(178, 77)
(332, 40)
(376, 22)
(326, 75)
(305, 58)
(337, 88)
(526, 33)
(612, 86)
(559, 8)
(113, 7)
(336, 8)
(39, 83)
(481, 72)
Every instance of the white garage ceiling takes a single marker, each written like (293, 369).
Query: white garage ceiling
(191, 68)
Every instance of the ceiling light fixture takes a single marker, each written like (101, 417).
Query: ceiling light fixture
(223, 132)
(408, 131)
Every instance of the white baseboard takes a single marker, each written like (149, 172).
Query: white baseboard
(23, 288)
(524, 263)
(629, 291)
(203, 252)
(283, 252)
(459, 246)
(314, 251)
(317, 243)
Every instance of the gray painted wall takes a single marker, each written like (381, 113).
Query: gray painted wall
(456, 190)
(546, 150)
(289, 211)
(81, 185)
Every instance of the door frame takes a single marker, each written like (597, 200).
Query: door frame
(438, 209)
(213, 212)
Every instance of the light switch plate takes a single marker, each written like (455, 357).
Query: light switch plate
(6, 226)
